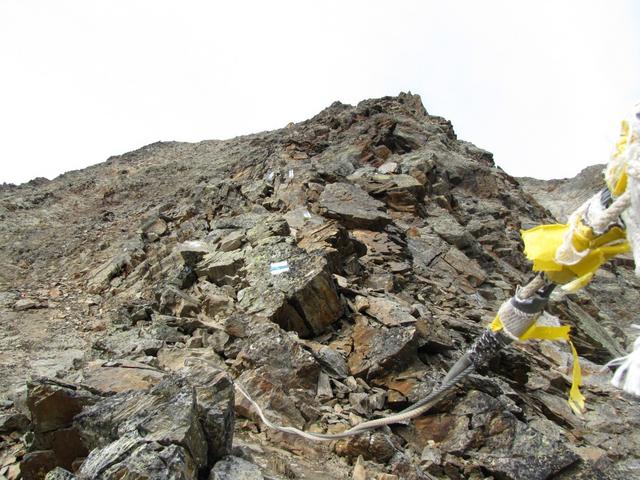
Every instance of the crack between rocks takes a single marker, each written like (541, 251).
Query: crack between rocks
(295, 304)
(435, 257)
(76, 387)
(119, 365)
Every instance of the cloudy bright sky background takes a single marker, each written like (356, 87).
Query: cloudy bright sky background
(543, 85)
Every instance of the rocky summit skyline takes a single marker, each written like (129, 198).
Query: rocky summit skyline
(335, 268)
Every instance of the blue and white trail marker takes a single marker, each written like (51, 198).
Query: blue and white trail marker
(279, 267)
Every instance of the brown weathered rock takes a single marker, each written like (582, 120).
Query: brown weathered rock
(177, 411)
(380, 349)
(13, 422)
(400, 192)
(53, 405)
(335, 244)
(25, 304)
(120, 376)
(193, 251)
(173, 301)
(376, 446)
(56, 442)
(185, 423)
(353, 207)
(217, 266)
(303, 299)
(35, 465)
(389, 311)
(281, 358)
(451, 433)
(232, 241)
(380, 247)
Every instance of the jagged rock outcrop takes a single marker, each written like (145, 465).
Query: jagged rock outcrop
(335, 268)
(177, 427)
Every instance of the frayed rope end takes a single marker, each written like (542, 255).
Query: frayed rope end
(627, 376)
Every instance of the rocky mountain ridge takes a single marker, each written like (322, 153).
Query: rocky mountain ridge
(562, 196)
(336, 268)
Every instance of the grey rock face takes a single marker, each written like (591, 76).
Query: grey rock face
(235, 468)
(173, 430)
(303, 299)
(171, 413)
(353, 206)
(25, 304)
(131, 456)
(217, 266)
(60, 474)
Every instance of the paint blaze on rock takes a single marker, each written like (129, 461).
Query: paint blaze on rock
(303, 299)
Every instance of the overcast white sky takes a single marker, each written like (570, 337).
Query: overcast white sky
(543, 85)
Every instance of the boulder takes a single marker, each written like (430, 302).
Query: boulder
(175, 427)
(174, 301)
(25, 304)
(232, 241)
(376, 445)
(334, 242)
(35, 465)
(219, 266)
(191, 409)
(303, 298)
(400, 192)
(60, 474)
(192, 251)
(235, 468)
(120, 376)
(388, 311)
(353, 207)
(133, 456)
(280, 357)
(13, 422)
(53, 406)
(131, 255)
(380, 349)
